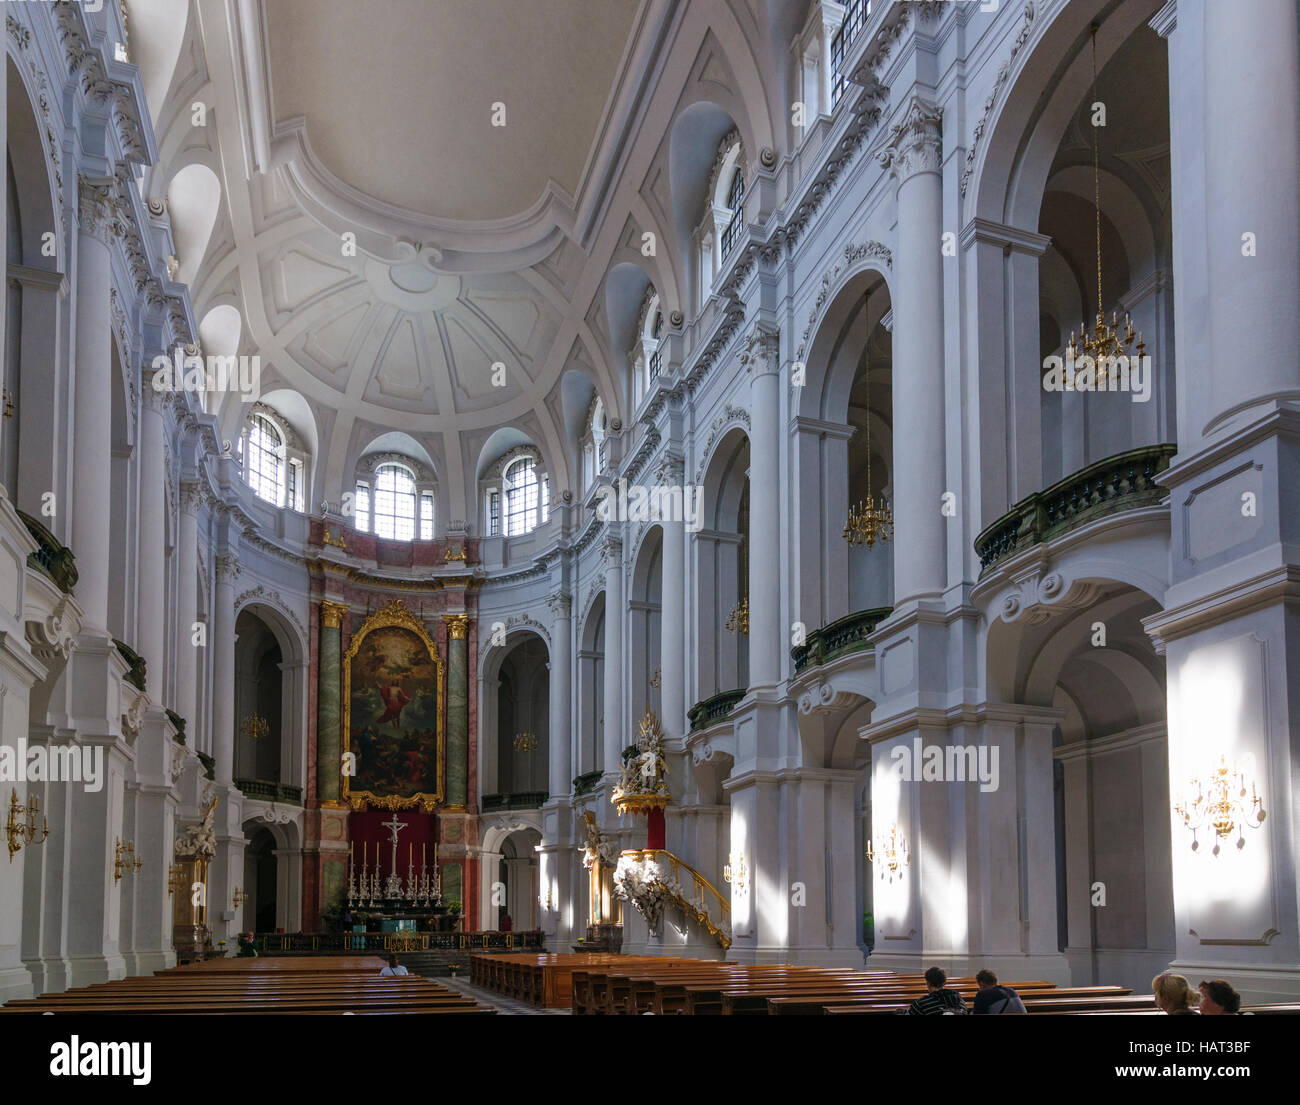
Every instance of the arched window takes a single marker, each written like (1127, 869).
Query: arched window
(736, 205)
(273, 459)
(593, 461)
(394, 498)
(523, 497)
(263, 453)
(516, 494)
(394, 502)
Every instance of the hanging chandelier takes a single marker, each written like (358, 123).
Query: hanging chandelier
(255, 727)
(525, 741)
(1107, 340)
(869, 521)
(1221, 804)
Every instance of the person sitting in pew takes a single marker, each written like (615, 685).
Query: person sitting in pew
(993, 998)
(1218, 998)
(394, 968)
(939, 1001)
(1174, 995)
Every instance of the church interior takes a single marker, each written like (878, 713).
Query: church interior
(386, 581)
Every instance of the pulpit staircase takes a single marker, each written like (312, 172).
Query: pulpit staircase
(655, 881)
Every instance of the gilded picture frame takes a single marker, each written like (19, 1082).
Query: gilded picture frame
(395, 615)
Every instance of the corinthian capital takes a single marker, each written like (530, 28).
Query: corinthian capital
(228, 568)
(761, 351)
(916, 144)
(101, 209)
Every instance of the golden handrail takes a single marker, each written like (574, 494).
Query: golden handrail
(674, 862)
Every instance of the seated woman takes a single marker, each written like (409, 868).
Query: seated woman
(1174, 995)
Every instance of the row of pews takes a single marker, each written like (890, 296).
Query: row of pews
(601, 984)
(300, 985)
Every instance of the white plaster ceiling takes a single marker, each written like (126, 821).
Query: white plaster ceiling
(398, 98)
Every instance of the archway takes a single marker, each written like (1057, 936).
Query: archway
(591, 682)
(1093, 669)
(722, 570)
(518, 872)
(260, 882)
(645, 614)
(514, 723)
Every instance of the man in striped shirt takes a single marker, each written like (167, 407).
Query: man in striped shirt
(939, 1000)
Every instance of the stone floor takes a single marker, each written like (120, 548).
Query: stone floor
(498, 1002)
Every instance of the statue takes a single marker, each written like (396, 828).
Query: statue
(200, 841)
(598, 848)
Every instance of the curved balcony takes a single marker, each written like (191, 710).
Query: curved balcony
(51, 559)
(269, 791)
(839, 638)
(1125, 481)
(524, 800)
(705, 713)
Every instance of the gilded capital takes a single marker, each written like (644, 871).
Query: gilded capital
(916, 144)
(457, 626)
(331, 614)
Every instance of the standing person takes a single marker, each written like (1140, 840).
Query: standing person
(394, 968)
(1174, 995)
(993, 998)
(1218, 998)
(938, 999)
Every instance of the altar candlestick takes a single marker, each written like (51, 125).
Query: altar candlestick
(421, 854)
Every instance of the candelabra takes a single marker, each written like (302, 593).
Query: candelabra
(239, 897)
(125, 861)
(20, 825)
(525, 741)
(738, 618)
(1221, 804)
(734, 871)
(890, 855)
(352, 885)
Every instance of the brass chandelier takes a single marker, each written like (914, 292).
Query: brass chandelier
(1222, 805)
(1107, 340)
(869, 521)
(890, 854)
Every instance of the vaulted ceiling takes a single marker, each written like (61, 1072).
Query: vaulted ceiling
(401, 105)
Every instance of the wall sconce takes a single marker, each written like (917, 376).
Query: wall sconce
(657, 678)
(891, 854)
(1220, 804)
(734, 871)
(738, 619)
(7, 397)
(125, 861)
(525, 741)
(175, 879)
(239, 897)
(20, 825)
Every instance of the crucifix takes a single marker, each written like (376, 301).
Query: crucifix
(396, 826)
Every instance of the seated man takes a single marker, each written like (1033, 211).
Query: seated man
(939, 999)
(993, 998)
(1219, 999)
(394, 968)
